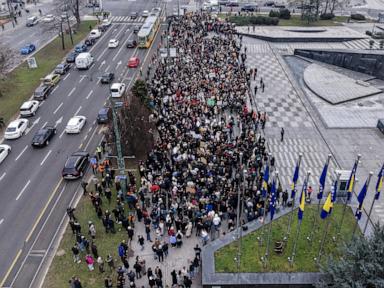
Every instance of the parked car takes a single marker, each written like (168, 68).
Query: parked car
(104, 115)
(43, 136)
(27, 49)
(48, 18)
(269, 3)
(106, 23)
(89, 42)
(32, 21)
(232, 4)
(136, 29)
(29, 108)
(113, 43)
(75, 124)
(62, 68)
(249, 8)
(41, 93)
(76, 165)
(94, 34)
(117, 90)
(107, 78)
(145, 13)
(131, 44)
(133, 62)
(80, 48)
(4, 151)
(16, 128)
(51, 79)
(71, 57)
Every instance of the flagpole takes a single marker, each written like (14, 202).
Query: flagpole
(293, 204)
(321, 190)
(346, 200)
(276, 177)
(265, 204)
(326, 227)
(370, 210)
(292, 258)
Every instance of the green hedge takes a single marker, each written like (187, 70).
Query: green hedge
(253, 20)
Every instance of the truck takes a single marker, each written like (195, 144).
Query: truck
(84, 60)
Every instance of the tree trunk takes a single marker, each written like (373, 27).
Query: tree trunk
(62, 35)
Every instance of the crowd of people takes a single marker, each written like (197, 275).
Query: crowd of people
(209, 148)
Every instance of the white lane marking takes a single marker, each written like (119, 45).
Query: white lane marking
(41, 103)
(67, 76)
(102, 53)
(106, 69)
(58, 121)
(85, 137)
(62, 133)
(71, 92)
(57, 109)
(22, 191)
(54, 89)
(2, 176)
(98, 81)
(89, 130)
(1, 221)
(45, 158)
(122, 46)
(44, 125)
(82, 78)
(21, 153)
(78, 110)
(102, 63)
(89, 94)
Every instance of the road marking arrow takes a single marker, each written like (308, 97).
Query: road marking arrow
(118, 64)
(58, 121)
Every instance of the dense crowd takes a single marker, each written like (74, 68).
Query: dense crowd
(190, 182)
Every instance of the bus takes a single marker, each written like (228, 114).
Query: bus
(148, 30)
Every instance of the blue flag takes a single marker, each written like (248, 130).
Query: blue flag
(379, 184)
(360, 199)
(295, 178)
(322, 181)
(351, 181)
(273, 199)
(265, 182)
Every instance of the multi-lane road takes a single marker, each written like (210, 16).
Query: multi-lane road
(33, 195)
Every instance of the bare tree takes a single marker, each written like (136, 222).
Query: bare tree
(6, 63)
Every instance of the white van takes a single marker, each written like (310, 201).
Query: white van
(94, 34)
(117, 90)
(84, 60)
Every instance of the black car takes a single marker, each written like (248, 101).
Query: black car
(249, 8)
(89, 42)
(43, 136)
(71, 57)
(134, 15)
(42, 92)
(107, 78)
(62, 68)
(76, 165)
(136, 29)
(104, 115)
(131, 43)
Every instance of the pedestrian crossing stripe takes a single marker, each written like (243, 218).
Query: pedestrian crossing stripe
(127, 19)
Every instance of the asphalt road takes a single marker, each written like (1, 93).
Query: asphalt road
(30, 179)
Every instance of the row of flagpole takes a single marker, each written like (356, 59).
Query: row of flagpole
(327, 206)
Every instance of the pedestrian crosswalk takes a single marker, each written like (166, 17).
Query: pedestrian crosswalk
(127, 19)
(361, 44)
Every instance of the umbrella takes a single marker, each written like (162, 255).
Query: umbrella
(155, 188)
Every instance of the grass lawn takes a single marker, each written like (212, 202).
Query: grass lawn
(22, 81)
(63, 267)
(305, 252)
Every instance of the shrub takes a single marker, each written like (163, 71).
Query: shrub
(253, 20)
(274, 13)
(358, 17)
(327, 16)
(285, 14)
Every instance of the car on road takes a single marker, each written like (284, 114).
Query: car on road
(269, 4)
(134, 15)
(94, 34)
(71, 57)
(145, 13)
(16, 128)
(29, 108)
(31, 21)
(41, 93)
(27, 49)
(75, 124)
(76, 165)
(136, 29)
(51, 79)
(131, 44)
(80, 48)
(4, 151)
(62, 68)
(133, 62)
(43, 136)
(249, 8)
(113, 43)
(104, 115)
(106, 23)
(117, 90)
(107, 78)
(48, 18)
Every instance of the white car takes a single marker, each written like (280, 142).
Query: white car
(75, 124)
(145, 13)
(117, 90)
(94, 34)
(29, 108)
(4, 151)
(48, 18)
(16, 129)
(113, 43)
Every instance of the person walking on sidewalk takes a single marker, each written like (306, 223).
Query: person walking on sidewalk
(282, 134)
